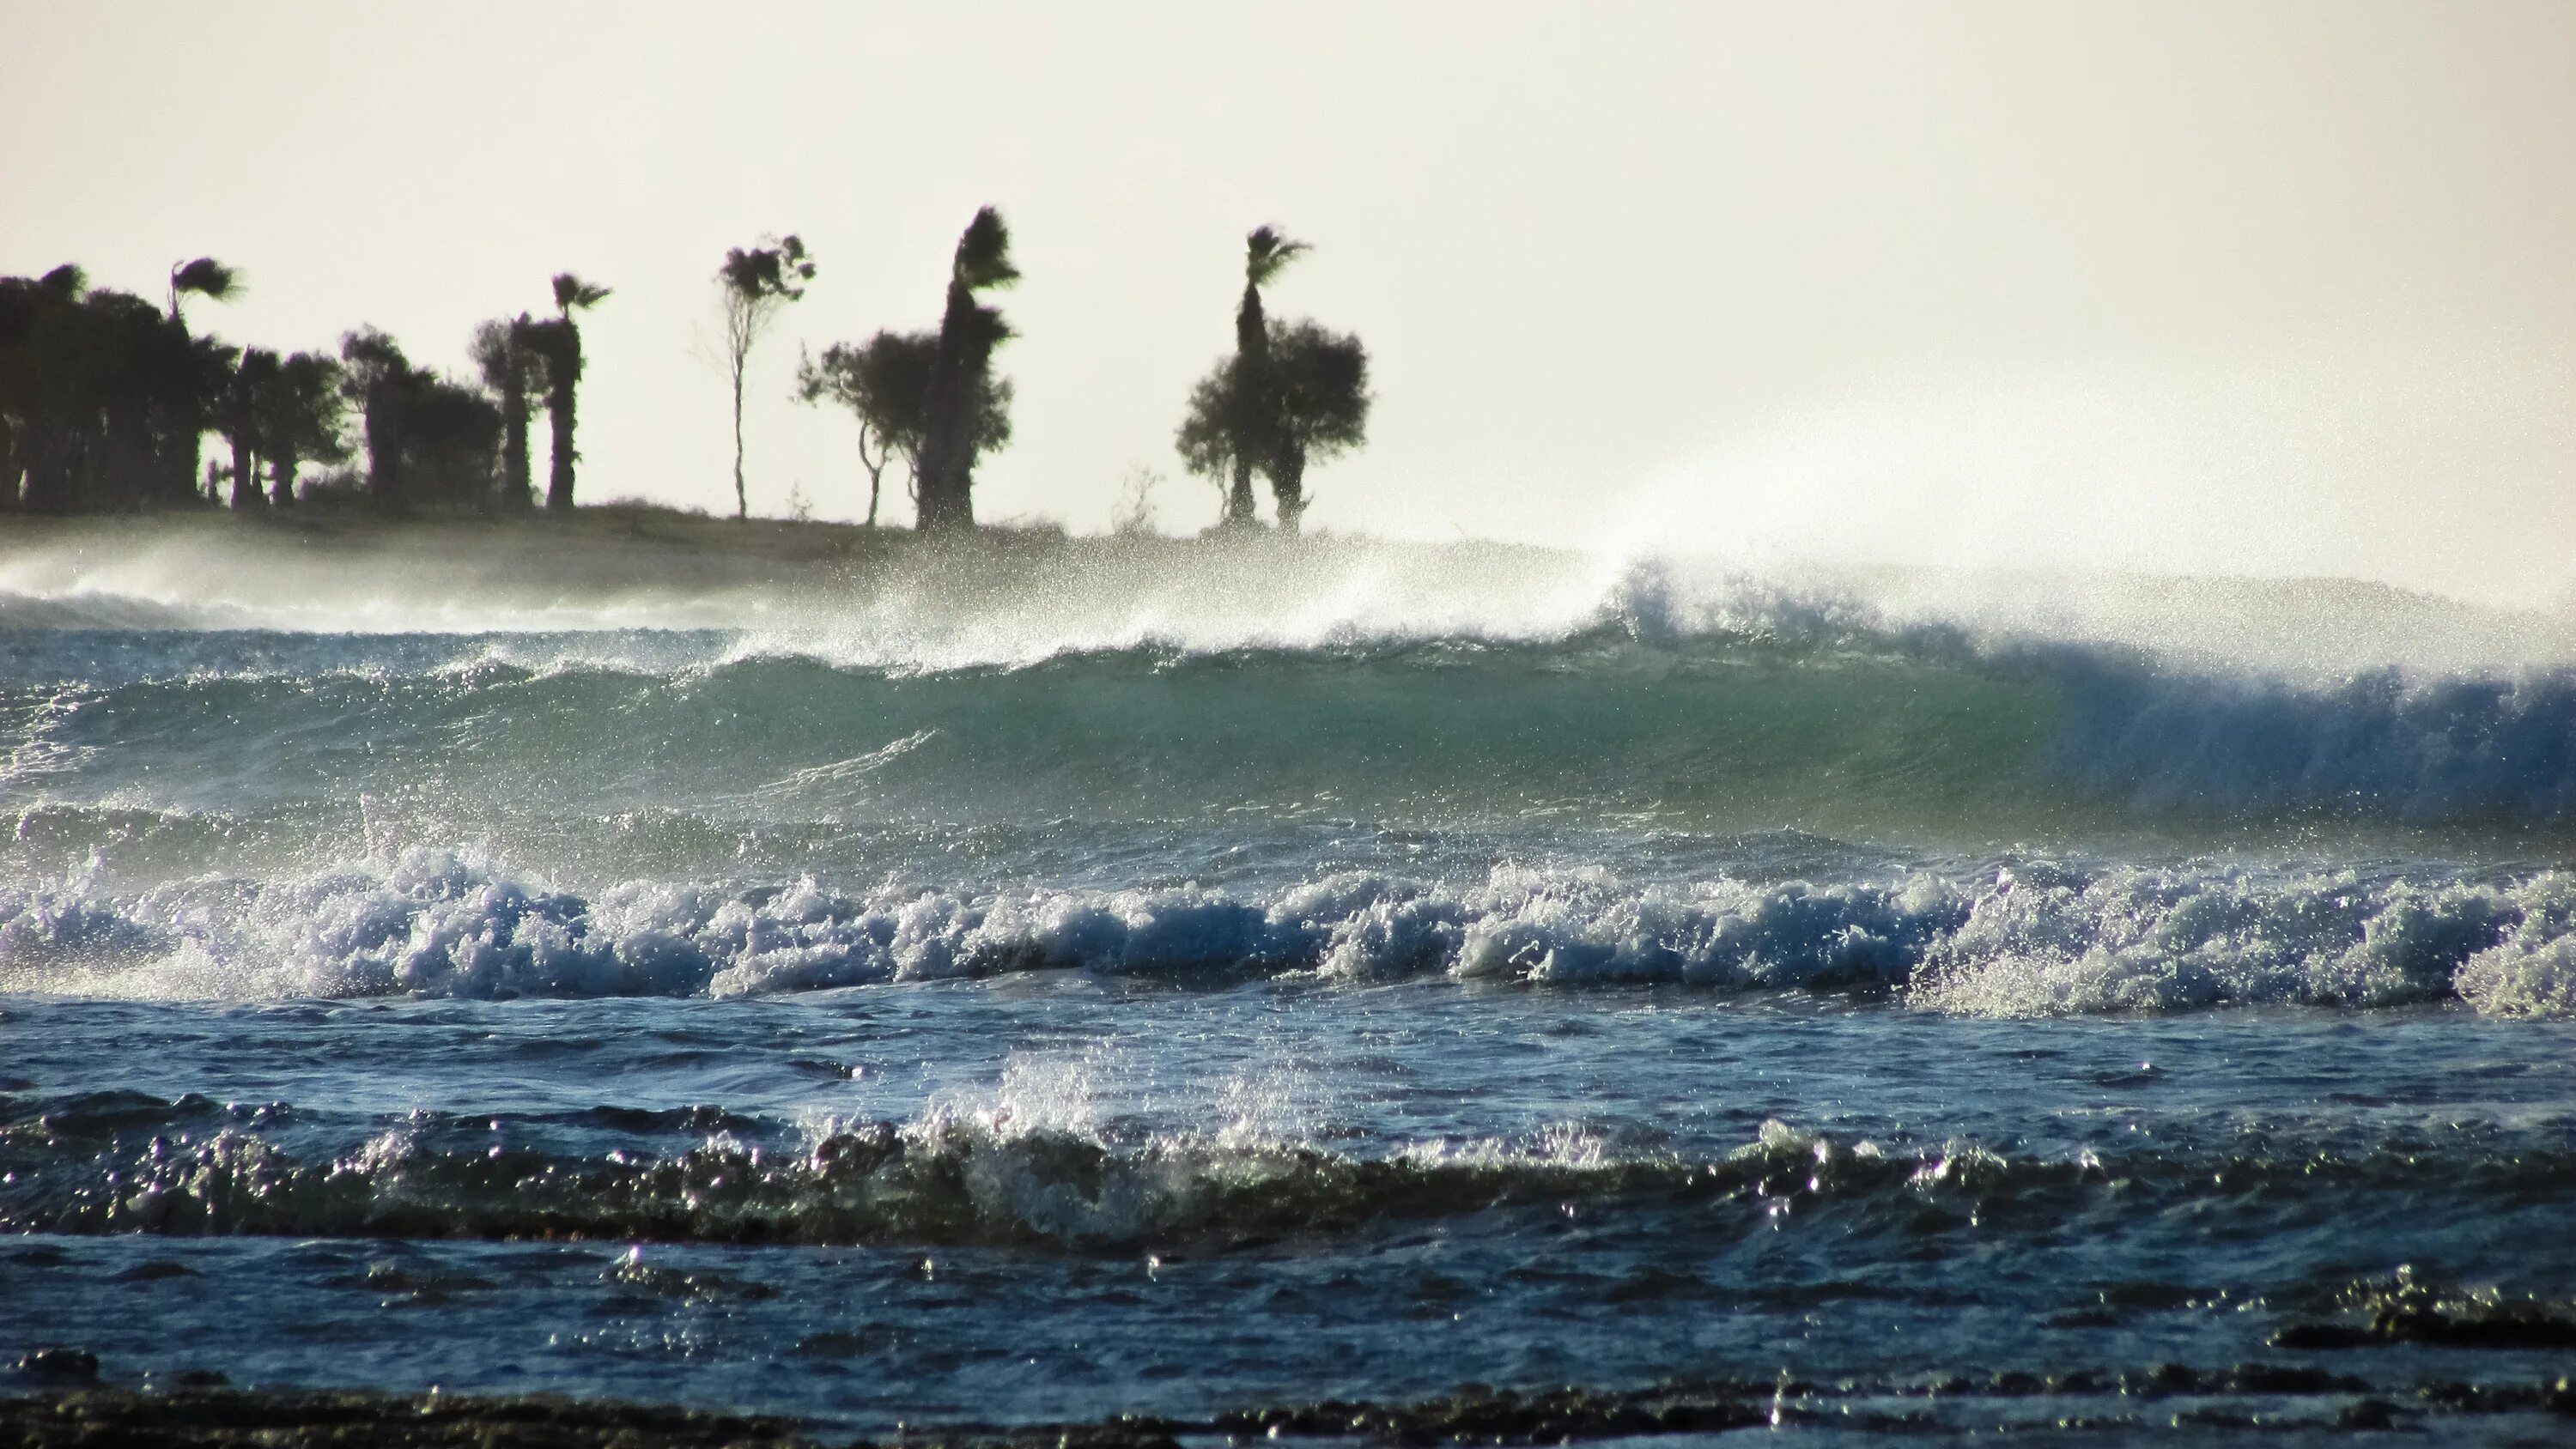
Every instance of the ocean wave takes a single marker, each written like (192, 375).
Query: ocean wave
(128, 1163)
(2032, 938)
(1749, 709)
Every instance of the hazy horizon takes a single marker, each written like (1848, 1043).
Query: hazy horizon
(2178, 288)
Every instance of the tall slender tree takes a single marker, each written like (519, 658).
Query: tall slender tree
(1266, 252)
(751, 286)
(558, 342)
(506, 353)
(961, 375)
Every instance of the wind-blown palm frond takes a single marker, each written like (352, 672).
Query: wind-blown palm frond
(206, 277)
(572, 292)
(984, 253)
(1266, 251)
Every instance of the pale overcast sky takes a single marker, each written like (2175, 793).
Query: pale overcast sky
(2277, 287)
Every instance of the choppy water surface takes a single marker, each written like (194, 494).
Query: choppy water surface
(1116, 994)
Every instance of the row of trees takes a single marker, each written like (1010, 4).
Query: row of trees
(105, 398)
(105, 401)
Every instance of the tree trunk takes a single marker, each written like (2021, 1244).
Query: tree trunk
(741, 497)
(384, 452)
(246, 494)
(876, 474)
(1250, 424)
(563, 396)
(946, 505)
(281, 480)
(1288, 484)
(519, 478)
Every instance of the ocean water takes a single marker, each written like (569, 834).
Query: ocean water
(1179, 981)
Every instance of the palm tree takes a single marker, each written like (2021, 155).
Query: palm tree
(751, 286)
(1266, 252)
(505, 351)
(560, 347)
(956, 427)
(207, 278)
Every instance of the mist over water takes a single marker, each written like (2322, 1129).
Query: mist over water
(1391, 936)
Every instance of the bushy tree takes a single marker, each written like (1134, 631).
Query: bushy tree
(751, 286)
(885, 384)
(959, 424)
(452, 435)
(1320, 407)
(380, 379)
(299, 419)
(1306, 399)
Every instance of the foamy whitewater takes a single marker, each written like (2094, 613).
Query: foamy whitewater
(1168, 978)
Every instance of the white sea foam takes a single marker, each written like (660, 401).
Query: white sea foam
(2036, 939)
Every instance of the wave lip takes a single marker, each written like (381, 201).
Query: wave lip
(2035, 938)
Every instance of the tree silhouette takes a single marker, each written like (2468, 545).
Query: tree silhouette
(381, 381)
(298, 418)
(957, 427)
(507, 353)
(1266, 251)
(557, 341)
(1319, 383)
(886, 386)
(1210, 438)
(42, 377)
(752, 285)
(451, 438)
(1307, 401)
(253, 379)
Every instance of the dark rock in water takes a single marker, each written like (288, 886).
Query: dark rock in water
(59, 1363)
(2450, 1323)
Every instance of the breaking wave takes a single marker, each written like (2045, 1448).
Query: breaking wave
(2030, 938)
